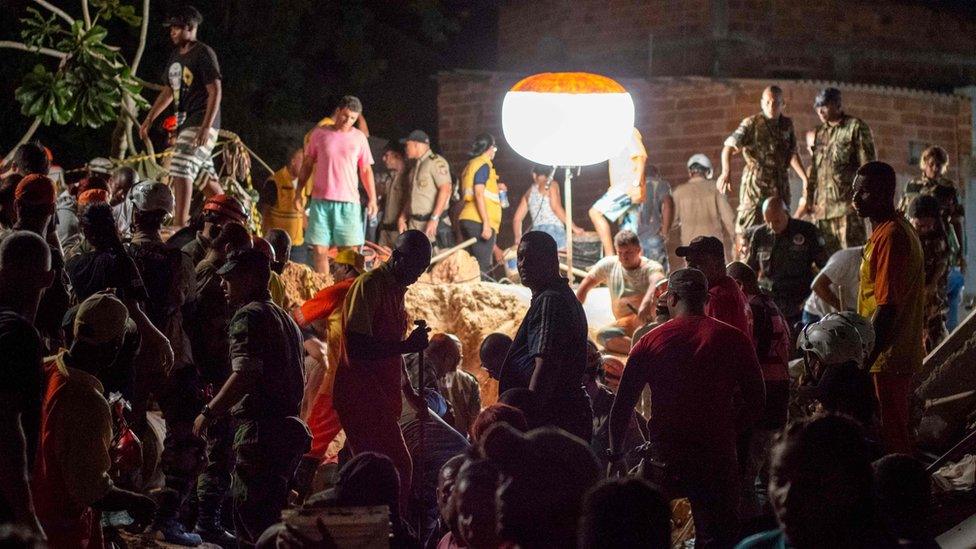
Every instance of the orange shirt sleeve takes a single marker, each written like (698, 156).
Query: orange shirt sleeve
(889, 257)
(324, 302)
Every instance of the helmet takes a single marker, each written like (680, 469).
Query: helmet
(152, 196)
(263, 246)
(838, 338)
(227, 206)
(170, 123)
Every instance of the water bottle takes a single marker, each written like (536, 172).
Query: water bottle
(503, 196)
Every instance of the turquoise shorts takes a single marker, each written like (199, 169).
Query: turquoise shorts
(333, 223)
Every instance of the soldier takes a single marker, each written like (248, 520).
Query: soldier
(933, 181)
(842, 144)
(429, 191)
(925, 215)
(263, 394)
(783, 252)
(768, 146)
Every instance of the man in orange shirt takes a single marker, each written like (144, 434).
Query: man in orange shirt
(327, 306)
(892, 295)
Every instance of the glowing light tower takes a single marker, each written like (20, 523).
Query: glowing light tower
(567, 119)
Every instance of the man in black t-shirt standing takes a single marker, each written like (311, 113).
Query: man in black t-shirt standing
(192, 84)
(549, 352)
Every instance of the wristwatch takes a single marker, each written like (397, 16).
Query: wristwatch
(207, 412)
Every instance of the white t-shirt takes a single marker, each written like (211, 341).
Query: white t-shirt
(626, 286)
(625, 170)
(843, 269)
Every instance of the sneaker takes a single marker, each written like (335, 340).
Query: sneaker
(216, 534)
(172, 532)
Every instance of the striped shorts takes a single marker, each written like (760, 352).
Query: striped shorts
(187, 160)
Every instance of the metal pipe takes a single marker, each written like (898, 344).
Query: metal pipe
(447, 253)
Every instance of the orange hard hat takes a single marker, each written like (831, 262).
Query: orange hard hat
(169, 123)
(227, 206)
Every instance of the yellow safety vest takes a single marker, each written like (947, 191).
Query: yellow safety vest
(492, 202)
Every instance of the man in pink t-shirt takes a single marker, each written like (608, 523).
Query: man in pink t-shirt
(726, 302)
(340, 156)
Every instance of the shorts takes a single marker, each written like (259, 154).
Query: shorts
(617, 207)
(557, 232)
(332, 223)
(188, 161)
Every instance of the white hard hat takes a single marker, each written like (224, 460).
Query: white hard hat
(838, 338)
(701, 160)
(151, 195)
(100, 165)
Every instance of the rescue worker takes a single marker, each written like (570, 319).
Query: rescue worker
(767, 142)
(786, 253)
(371, 375)
(217, 211)
(326, 306)
(481, 215)
(933, 181)
(391, 187)
(279, 202)
(429, 190)
(842, 144)
(263, 393)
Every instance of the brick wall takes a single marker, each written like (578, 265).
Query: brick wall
(682, 116)
(897, 42)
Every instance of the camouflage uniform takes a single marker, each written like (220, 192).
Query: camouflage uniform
(266, 346)
(767, 147)
(838, 151)
(935, 247)
(211, 350)
(950, 209)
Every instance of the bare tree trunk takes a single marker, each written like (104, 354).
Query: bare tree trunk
(86, 14)
(24, 139)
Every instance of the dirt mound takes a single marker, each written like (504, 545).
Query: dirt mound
(457, 267)
(469, 311)
(301, 283)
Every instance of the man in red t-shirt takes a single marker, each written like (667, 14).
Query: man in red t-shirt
(706, 387)
(726, 302)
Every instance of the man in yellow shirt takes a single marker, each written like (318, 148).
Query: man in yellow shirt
(892, 295)
(279, 202)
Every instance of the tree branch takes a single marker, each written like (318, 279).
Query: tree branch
(56, 11)
(147, 84)
(26, 137)
(85, 14)
(143, 32)
(24, 47)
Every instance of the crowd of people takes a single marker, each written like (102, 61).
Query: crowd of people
(135, 306)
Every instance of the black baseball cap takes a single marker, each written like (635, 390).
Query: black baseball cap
(708, 245)
(184, 16)
(251, 260)
(688, 283)
(420, 136)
